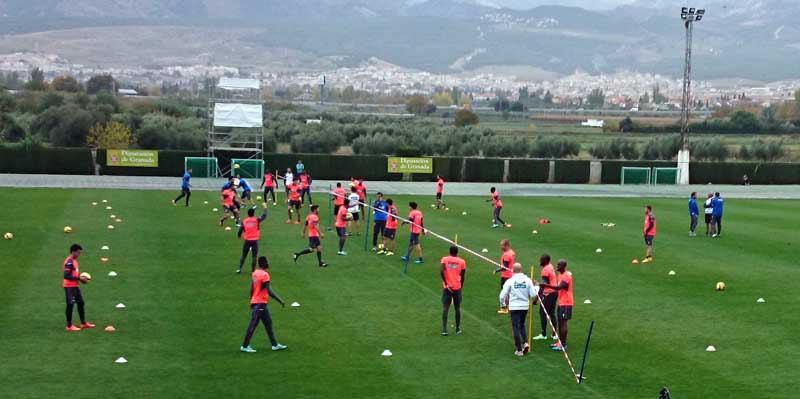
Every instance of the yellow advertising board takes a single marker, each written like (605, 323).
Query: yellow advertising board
(134, 158)
(410, 165)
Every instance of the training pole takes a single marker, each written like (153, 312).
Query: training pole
(366, 231)
(530, 314)
(488, 260)
(277, 189)
(585, 351)
(330, 208)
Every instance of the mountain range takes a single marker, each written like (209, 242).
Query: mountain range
(757, 40)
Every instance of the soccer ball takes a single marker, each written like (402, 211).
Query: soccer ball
(380, 246)
(720, 286)
(236, 166)
(8, 236)
(67, 229)
(85, 277)
(258, 198)
(349, 216)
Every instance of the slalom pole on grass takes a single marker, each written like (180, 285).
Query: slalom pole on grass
(585, 351)
(530, 314)
(408, 255)
(330, 208)
(366, 230)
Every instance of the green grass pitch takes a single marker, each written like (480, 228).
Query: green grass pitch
(187, 310)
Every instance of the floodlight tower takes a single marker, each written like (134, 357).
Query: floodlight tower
(689, 15)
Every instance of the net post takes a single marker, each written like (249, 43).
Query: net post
(585, 351)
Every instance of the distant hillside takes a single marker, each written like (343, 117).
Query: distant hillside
(756, 40)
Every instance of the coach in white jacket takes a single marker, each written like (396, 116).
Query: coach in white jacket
(517, 291)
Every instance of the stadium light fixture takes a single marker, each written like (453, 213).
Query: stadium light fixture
(689, 15)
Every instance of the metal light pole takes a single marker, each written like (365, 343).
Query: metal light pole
(689, 16)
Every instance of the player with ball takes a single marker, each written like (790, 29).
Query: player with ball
(72, 277)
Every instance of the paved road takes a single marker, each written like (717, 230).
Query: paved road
(414, 188)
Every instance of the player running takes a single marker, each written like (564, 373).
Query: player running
(72, 292)
(247, 191)
(229, 205)
(250, 232)
(508, 259)
(260, 292)
(439, 191)
(390, 230)
(339, 196)
(649, 232)
(294, 191)
(517, 292)
(305, 188)
(314, 235)
(694, 212)
(417, 228)
(381, 207)
(268, 183)
(498, 206)
(549, 297)
(355, 210)
(186, 187)
(452, 272)
(565, 301)
(342, 218)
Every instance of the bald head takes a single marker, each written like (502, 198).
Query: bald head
(517, 268)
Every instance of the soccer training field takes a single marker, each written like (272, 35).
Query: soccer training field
(187, 310)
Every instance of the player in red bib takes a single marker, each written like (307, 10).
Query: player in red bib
(229, 205)
(439, 191)
(314, 236)
(565, 302)
(452, 272)
(391, 229)
(269, 184)
(295, 191)
(506, 272)
(548, 296)
(498, 206)
(417, 228)
(305, 187)
(338, 198)
(250, 232)
(341, 225)
(649, 233)
(72, 292)
(361, 190)
(260, 292)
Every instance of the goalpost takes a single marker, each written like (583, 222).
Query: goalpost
(665, 175)
(635, 175)
(202, 166)
(249, 168)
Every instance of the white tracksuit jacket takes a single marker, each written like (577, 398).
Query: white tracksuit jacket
(518, 289)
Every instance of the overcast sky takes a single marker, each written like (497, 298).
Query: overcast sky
(589, 4)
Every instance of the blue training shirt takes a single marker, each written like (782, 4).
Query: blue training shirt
(380, 216)
(716, 206)
(185, 181)
(693, 210)
(243, 184)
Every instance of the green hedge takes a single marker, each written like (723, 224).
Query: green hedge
(484, 170)
(732, 172)
(54, 161)
(612, 170)
(528, 171)
(572, 172)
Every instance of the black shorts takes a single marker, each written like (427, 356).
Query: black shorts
(648, 240)
(708, 218)
(295, 204)
(268, 190)
(246, 194)
(341, 231)
(336, 209)
(313, 242)
(451, 296)
(389, 233)
(73, 295)
(438, 196)
(564, 312)
(305, 191)
(356, 216)
(414, 239)
(232, 208)
(503, 281)
(186, 190)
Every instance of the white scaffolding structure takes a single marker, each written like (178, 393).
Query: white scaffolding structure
(236, 120)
